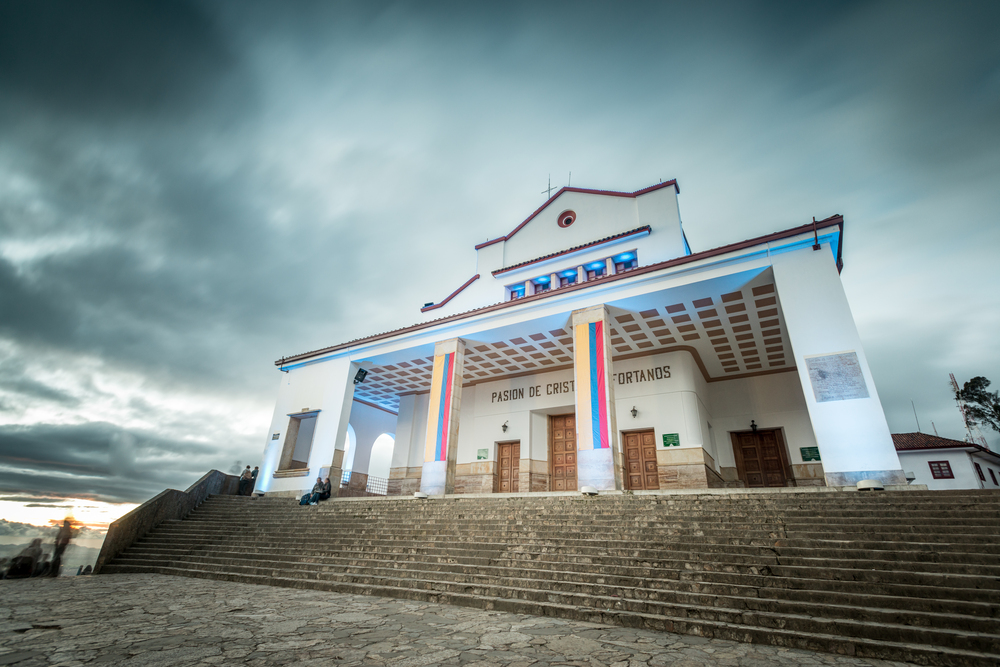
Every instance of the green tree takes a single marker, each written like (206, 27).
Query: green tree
(981, 406)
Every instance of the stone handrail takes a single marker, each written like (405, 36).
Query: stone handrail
(168, 504)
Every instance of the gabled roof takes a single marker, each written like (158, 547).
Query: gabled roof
(832, 221)
(916, 441)
(610, 193)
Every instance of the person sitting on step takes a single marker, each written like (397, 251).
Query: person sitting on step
(312, 498)
(327, 490)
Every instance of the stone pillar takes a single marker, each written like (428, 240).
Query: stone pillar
(599, 461)
(345, 395)
(443, 411)
(844, 408)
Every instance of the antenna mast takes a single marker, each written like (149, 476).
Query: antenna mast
(973, 434)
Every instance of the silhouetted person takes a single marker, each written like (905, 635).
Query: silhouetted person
(63, 538)
(43, 567)
(253, 480)
(24, 564)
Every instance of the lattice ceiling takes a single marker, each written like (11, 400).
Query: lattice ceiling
(736, 333)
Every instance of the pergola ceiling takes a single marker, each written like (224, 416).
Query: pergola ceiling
(730, 333)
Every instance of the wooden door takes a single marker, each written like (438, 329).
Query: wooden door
(562, 452)
(510, 464)
(760, 458)
(640, 461)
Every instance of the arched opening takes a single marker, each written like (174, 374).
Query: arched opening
(381, 458)
(350, 449)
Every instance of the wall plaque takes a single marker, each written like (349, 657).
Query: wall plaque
(482, 454)
(836, 377)
(671, 439)
(809, 453)
(275, 436)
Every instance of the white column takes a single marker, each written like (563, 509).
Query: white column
(843, 404)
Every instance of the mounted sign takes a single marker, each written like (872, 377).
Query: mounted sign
(809, 453)
(671, 439)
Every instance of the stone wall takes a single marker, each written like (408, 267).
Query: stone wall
(404, 481)
(687, 468)
(478, 477)
(165, 506)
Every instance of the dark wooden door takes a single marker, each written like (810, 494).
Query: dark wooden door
(562, 452)
(640, 461)
(760, 458)
(510, 464)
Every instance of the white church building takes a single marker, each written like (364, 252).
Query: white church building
(591, 347)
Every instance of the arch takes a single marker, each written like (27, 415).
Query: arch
(350, 448)
(381, 456)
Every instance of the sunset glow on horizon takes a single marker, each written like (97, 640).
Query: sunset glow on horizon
(49, 511)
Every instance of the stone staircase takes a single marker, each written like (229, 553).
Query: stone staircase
(905, 575)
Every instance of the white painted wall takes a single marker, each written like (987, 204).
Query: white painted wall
(773, 401)
(368, 424)
(852, 435)
(327, 387)
(961, 466)
(598, 217)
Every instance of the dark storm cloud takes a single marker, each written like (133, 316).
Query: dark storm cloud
(95, 460)
(118, 58)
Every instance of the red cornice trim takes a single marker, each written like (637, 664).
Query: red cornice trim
(608, 239)
(832, 221)
(609, 193)
(377, 407)
(452, 295)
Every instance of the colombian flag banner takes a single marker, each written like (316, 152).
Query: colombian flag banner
(591, 387)
(439, 410)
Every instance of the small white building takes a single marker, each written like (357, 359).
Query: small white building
(592, 346)
(942, 463)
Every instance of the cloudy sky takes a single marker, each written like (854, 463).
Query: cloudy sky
(189, 191)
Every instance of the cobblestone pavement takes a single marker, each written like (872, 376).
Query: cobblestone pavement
(152, 620)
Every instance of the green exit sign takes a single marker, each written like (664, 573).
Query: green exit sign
(671, 439)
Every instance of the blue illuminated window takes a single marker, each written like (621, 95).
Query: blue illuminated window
(542, 284)
(517, 292)
(596, 270)
(625, 261)
(567, 278)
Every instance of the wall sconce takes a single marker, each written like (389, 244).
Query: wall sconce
(634, 412)
(504, 427)
(753, 426)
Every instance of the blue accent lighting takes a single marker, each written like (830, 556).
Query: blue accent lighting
(568, 273)
(543, 279)
(624, 257)
(593, 266)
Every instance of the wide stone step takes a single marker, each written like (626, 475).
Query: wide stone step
(832, 548)
(352, 525)
(632, 582)
(872, 571)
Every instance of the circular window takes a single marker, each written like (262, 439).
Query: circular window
(566, 218)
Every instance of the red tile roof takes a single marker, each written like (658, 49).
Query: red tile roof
(912, 441)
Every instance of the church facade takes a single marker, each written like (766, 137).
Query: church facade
(592, 347)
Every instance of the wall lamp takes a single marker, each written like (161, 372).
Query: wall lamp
(504, 427)
(634, 412)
